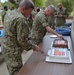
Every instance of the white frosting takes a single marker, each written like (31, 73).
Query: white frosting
(58, 55)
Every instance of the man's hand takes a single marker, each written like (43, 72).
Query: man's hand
(36, 48)
(60, 15)
(60, 36)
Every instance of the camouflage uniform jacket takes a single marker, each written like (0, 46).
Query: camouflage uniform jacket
(38, 29)
(34, 13)
(61, 20)
(16, 31)
(3, 15)
(51, 21)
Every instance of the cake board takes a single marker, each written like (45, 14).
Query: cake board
(59, 60)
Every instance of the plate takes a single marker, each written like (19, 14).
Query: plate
(53, 36)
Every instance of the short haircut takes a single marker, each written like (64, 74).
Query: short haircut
(51, 7)
(59, 4)
(27, 4)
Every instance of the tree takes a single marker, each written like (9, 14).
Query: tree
(68, 4)
(16, 2)
(52, 2)
(9, 4)
(12, 1)
(39, 3)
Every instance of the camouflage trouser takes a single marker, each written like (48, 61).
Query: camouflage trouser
(60, 22)
(13, 60)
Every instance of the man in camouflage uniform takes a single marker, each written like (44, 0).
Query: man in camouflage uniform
(30, 21)
(41, 25)
(34, 13)
(61, 15)
(4, 13)
(15, 39)
(31, 18)
(51, 21)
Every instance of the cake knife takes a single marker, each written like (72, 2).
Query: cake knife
(44, 53)
(64, 39)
